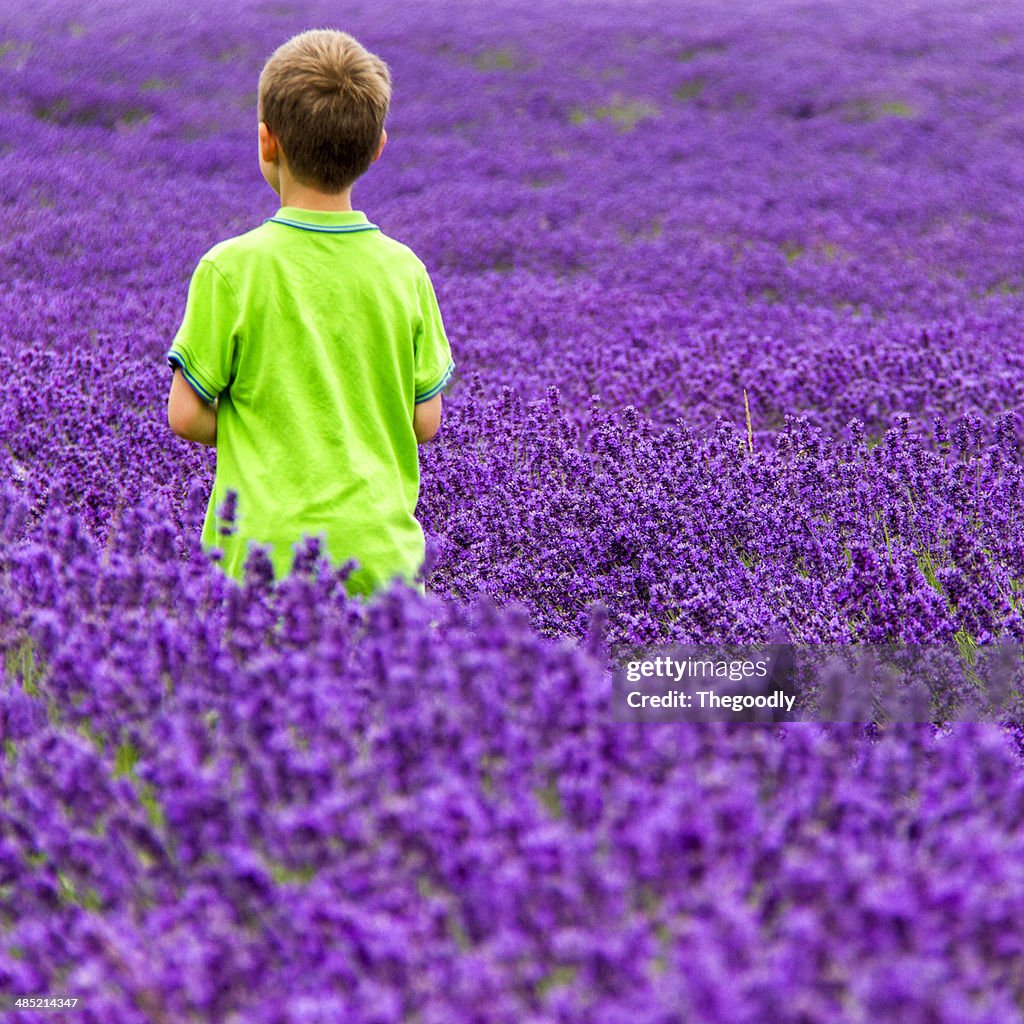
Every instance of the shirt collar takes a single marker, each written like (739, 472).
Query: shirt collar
(323, 220)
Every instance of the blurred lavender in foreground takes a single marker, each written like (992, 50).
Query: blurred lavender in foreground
(243, 802)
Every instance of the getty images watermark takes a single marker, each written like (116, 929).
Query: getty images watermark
(818, 682)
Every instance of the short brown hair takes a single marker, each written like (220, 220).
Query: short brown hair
(325, 98)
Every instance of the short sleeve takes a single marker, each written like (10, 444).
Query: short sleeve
(434, 365)
(204, 346)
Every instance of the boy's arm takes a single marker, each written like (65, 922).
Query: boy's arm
(203, 353)
(426, 418)
(433, 362)
(189, 415)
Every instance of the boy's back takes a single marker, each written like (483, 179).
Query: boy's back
(319, 333)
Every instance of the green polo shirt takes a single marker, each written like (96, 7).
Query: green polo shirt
(317, 334)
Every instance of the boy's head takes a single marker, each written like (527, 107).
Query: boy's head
(324, 97)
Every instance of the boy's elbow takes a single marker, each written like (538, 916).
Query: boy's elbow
(181, 421)
(424, 434)
(427, 419)
(189, 416)
(188, 424)
(177, 424)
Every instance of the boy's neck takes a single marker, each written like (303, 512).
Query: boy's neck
(303, 197)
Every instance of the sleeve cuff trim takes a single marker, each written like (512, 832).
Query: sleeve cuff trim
(177, 359)
(430, 392)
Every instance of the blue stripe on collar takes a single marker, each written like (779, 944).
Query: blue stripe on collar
(332, 229)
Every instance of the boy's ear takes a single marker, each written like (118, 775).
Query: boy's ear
(383, 143)
(268, 144)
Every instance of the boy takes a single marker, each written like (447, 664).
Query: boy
(312, 353)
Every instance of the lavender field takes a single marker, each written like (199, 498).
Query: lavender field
(273, 804)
